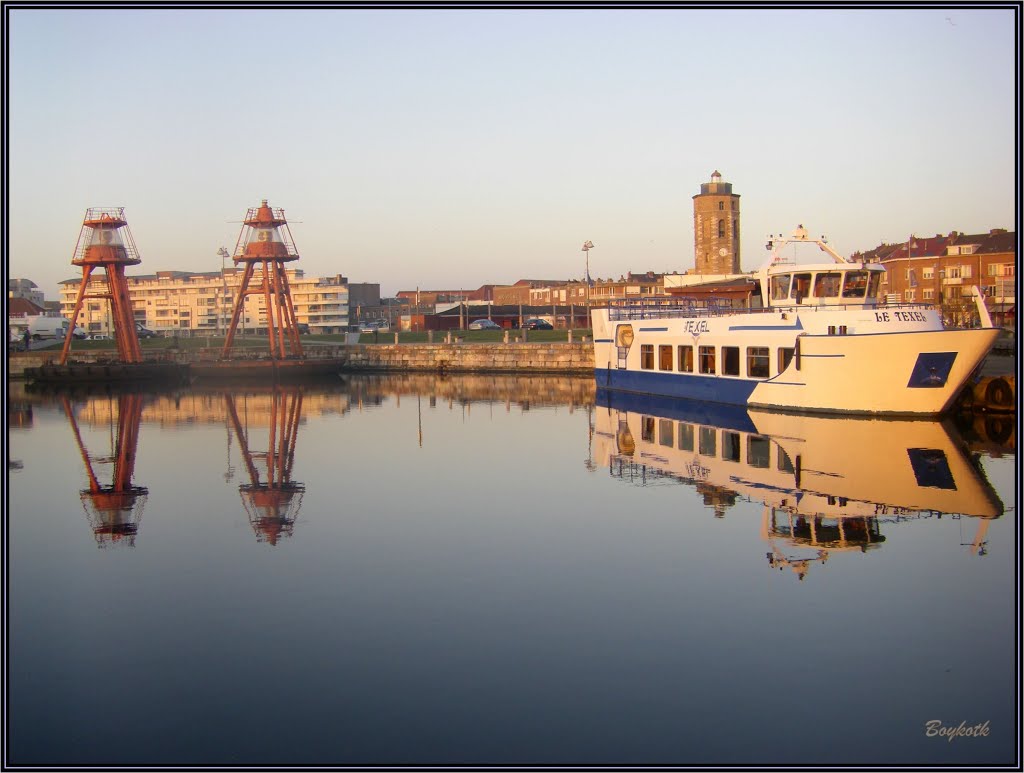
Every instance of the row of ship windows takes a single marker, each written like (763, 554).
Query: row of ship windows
(704, 440)
(758, 359)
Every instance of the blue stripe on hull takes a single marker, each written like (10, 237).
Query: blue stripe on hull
(695, 412)
(731, 391)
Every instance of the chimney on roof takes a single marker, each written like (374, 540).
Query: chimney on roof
(995, 231)
(953, 234)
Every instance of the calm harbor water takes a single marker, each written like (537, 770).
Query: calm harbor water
(490, 570)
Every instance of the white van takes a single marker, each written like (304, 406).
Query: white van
(41, 327)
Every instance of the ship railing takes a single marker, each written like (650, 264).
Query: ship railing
(666, 308)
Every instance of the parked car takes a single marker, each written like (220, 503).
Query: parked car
(98, 337)
(484, 324)
(303, 328)
(79, 334)
(144, 332)
(374, 325)
(538, 324)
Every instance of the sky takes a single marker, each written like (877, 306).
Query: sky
(447, 149)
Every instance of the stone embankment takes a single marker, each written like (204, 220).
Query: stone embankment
(523, 358)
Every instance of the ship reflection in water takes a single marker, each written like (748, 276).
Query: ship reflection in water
(828, 484)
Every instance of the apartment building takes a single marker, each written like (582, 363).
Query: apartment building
(939, 270)
(201, 303)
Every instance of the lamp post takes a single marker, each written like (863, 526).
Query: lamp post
(224, 255)
(587, 247)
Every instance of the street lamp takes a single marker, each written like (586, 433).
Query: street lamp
(587, 247)
(224, 255)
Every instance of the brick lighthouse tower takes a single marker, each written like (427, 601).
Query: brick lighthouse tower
(716, 228)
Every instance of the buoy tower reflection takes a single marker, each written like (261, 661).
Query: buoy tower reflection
(114, 510)
(272, 503)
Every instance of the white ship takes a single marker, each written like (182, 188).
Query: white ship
(814, 338)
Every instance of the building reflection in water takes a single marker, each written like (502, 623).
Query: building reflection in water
(271, 498)
(827, 483)
(114, 509)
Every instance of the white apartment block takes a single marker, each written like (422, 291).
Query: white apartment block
(201, 303)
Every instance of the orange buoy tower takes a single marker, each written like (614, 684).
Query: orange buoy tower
(114, 509)
(106, 242)
(266, 239)
(272, 504)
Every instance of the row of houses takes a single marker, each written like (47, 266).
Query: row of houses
(933, 270)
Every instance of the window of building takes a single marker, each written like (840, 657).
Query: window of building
(664, 357)
(647, 356)
(909, 295)
(665, 433)
(707, 442)
(953, 272)
(686, 359)
(707, 359)
(721, 205)
(721, 228)
(927, 294)
(757, 361)
(965, 272)
(785, 357)
(928, 273)
(685, 436)
(731, 446)
(731, 360)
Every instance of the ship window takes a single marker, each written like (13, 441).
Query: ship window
(757, 362)
(827, 285)
(647, 356)
(707, 359)
(686, 359)
(758, 451)
(873, 282)
(665, 433)
(785, 357)
(708, 441)
(731, 360)
(647, 429)
(801, 286)
(780, 286)
(731, 446)
(664, 357)
(685, 437)
(855, 284)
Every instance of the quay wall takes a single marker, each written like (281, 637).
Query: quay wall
(568, 358)
(575, 358)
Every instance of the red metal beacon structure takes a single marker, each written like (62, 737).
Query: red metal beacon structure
(266, 240)
(106, 242)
